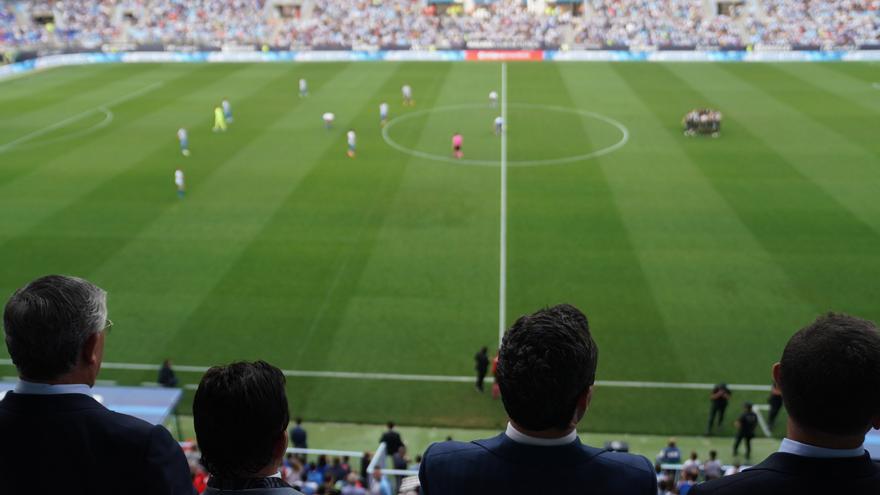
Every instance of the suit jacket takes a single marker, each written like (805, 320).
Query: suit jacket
(392, 442)
(501, 465)
(784, 474)
(74, 443)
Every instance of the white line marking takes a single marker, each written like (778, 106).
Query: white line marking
(74, 118)
(763, 424)
(502, 276)
(624, 137)
(354, 375)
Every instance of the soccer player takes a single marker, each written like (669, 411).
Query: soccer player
(303, 88)
(178, 180)
(227, 110)
(457, 141)
(184, 141)
(328, 120)
(499, 125)
(383, 113)
(219, 120)
(407, 95)
(352, 141)
(493, 98)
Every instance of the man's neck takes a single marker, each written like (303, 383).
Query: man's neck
(72, 378)
(819, 439)
(546, 434)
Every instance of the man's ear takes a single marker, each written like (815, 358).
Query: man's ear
(583, 403)
(280, 446)
(776, 371)
(92, 349)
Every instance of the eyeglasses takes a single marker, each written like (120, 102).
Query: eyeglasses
(108, 326)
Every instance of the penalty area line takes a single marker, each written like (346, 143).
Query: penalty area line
(79, 116)
(402, 377)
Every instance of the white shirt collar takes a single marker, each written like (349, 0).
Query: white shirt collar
(789, 446)
(520, 437)
(31, 388)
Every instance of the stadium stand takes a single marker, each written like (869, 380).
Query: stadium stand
(417, 24)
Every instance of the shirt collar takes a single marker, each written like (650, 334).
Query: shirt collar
(520, 437)
(31, 388)
(789, 446)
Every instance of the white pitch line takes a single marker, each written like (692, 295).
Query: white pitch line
(74, 118)
(354, 375)
(502, 273)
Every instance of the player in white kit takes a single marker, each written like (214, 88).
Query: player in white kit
(383, 114)
(493, 98)
(351, 137)
(184, 141)
(178, 181)
(303, 88)
(227, 110)
(406, 90)
(328, 120)
(499, 125)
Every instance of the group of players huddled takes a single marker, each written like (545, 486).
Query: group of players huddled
(223, 117)
(703, 121)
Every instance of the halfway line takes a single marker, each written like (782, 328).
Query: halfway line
(502, 272)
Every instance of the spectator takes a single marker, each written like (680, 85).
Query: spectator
(55, 330)
(546, 371)
(353, 485)
(745, 430)
(240, 416)
(688, 480)
(482, 366)
(829, 375)
(692, 464)
(392, 440)
(719, 398)
(733, 469)
(379, 484)
(670, 454)
(298, 435)
(167, 378)
(712, 469)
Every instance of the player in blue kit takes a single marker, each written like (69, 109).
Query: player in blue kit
(227, 110)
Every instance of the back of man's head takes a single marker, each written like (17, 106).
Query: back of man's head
(240, 415)
(546, 362)
(830, 374)
(47, 323)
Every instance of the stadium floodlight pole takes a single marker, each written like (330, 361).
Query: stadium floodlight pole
(502, 279)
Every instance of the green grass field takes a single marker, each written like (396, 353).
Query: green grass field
(694, 259)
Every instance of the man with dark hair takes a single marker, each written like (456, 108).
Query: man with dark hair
(482, 366)
(745, 430)
(55, 329)
(240, 416)
(829, 376)
(546, 371)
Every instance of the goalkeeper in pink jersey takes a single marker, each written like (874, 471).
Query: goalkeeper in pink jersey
(457, 141)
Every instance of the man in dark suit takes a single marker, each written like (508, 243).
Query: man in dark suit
(298, 436)
(829, 376)
(240, 415)
(745, 430)
(392, 440)
(481, 365)
(55, 329)
(546, 370)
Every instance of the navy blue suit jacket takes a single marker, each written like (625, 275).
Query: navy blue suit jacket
(789, 474)
(500, 465)
(72, 444)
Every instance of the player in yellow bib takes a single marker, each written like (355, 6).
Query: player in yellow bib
(219, 120)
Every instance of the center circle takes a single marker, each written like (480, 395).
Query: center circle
(619, 127)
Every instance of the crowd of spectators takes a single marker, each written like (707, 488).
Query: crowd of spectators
(422, 25)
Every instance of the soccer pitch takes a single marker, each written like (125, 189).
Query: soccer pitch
(694, 258)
